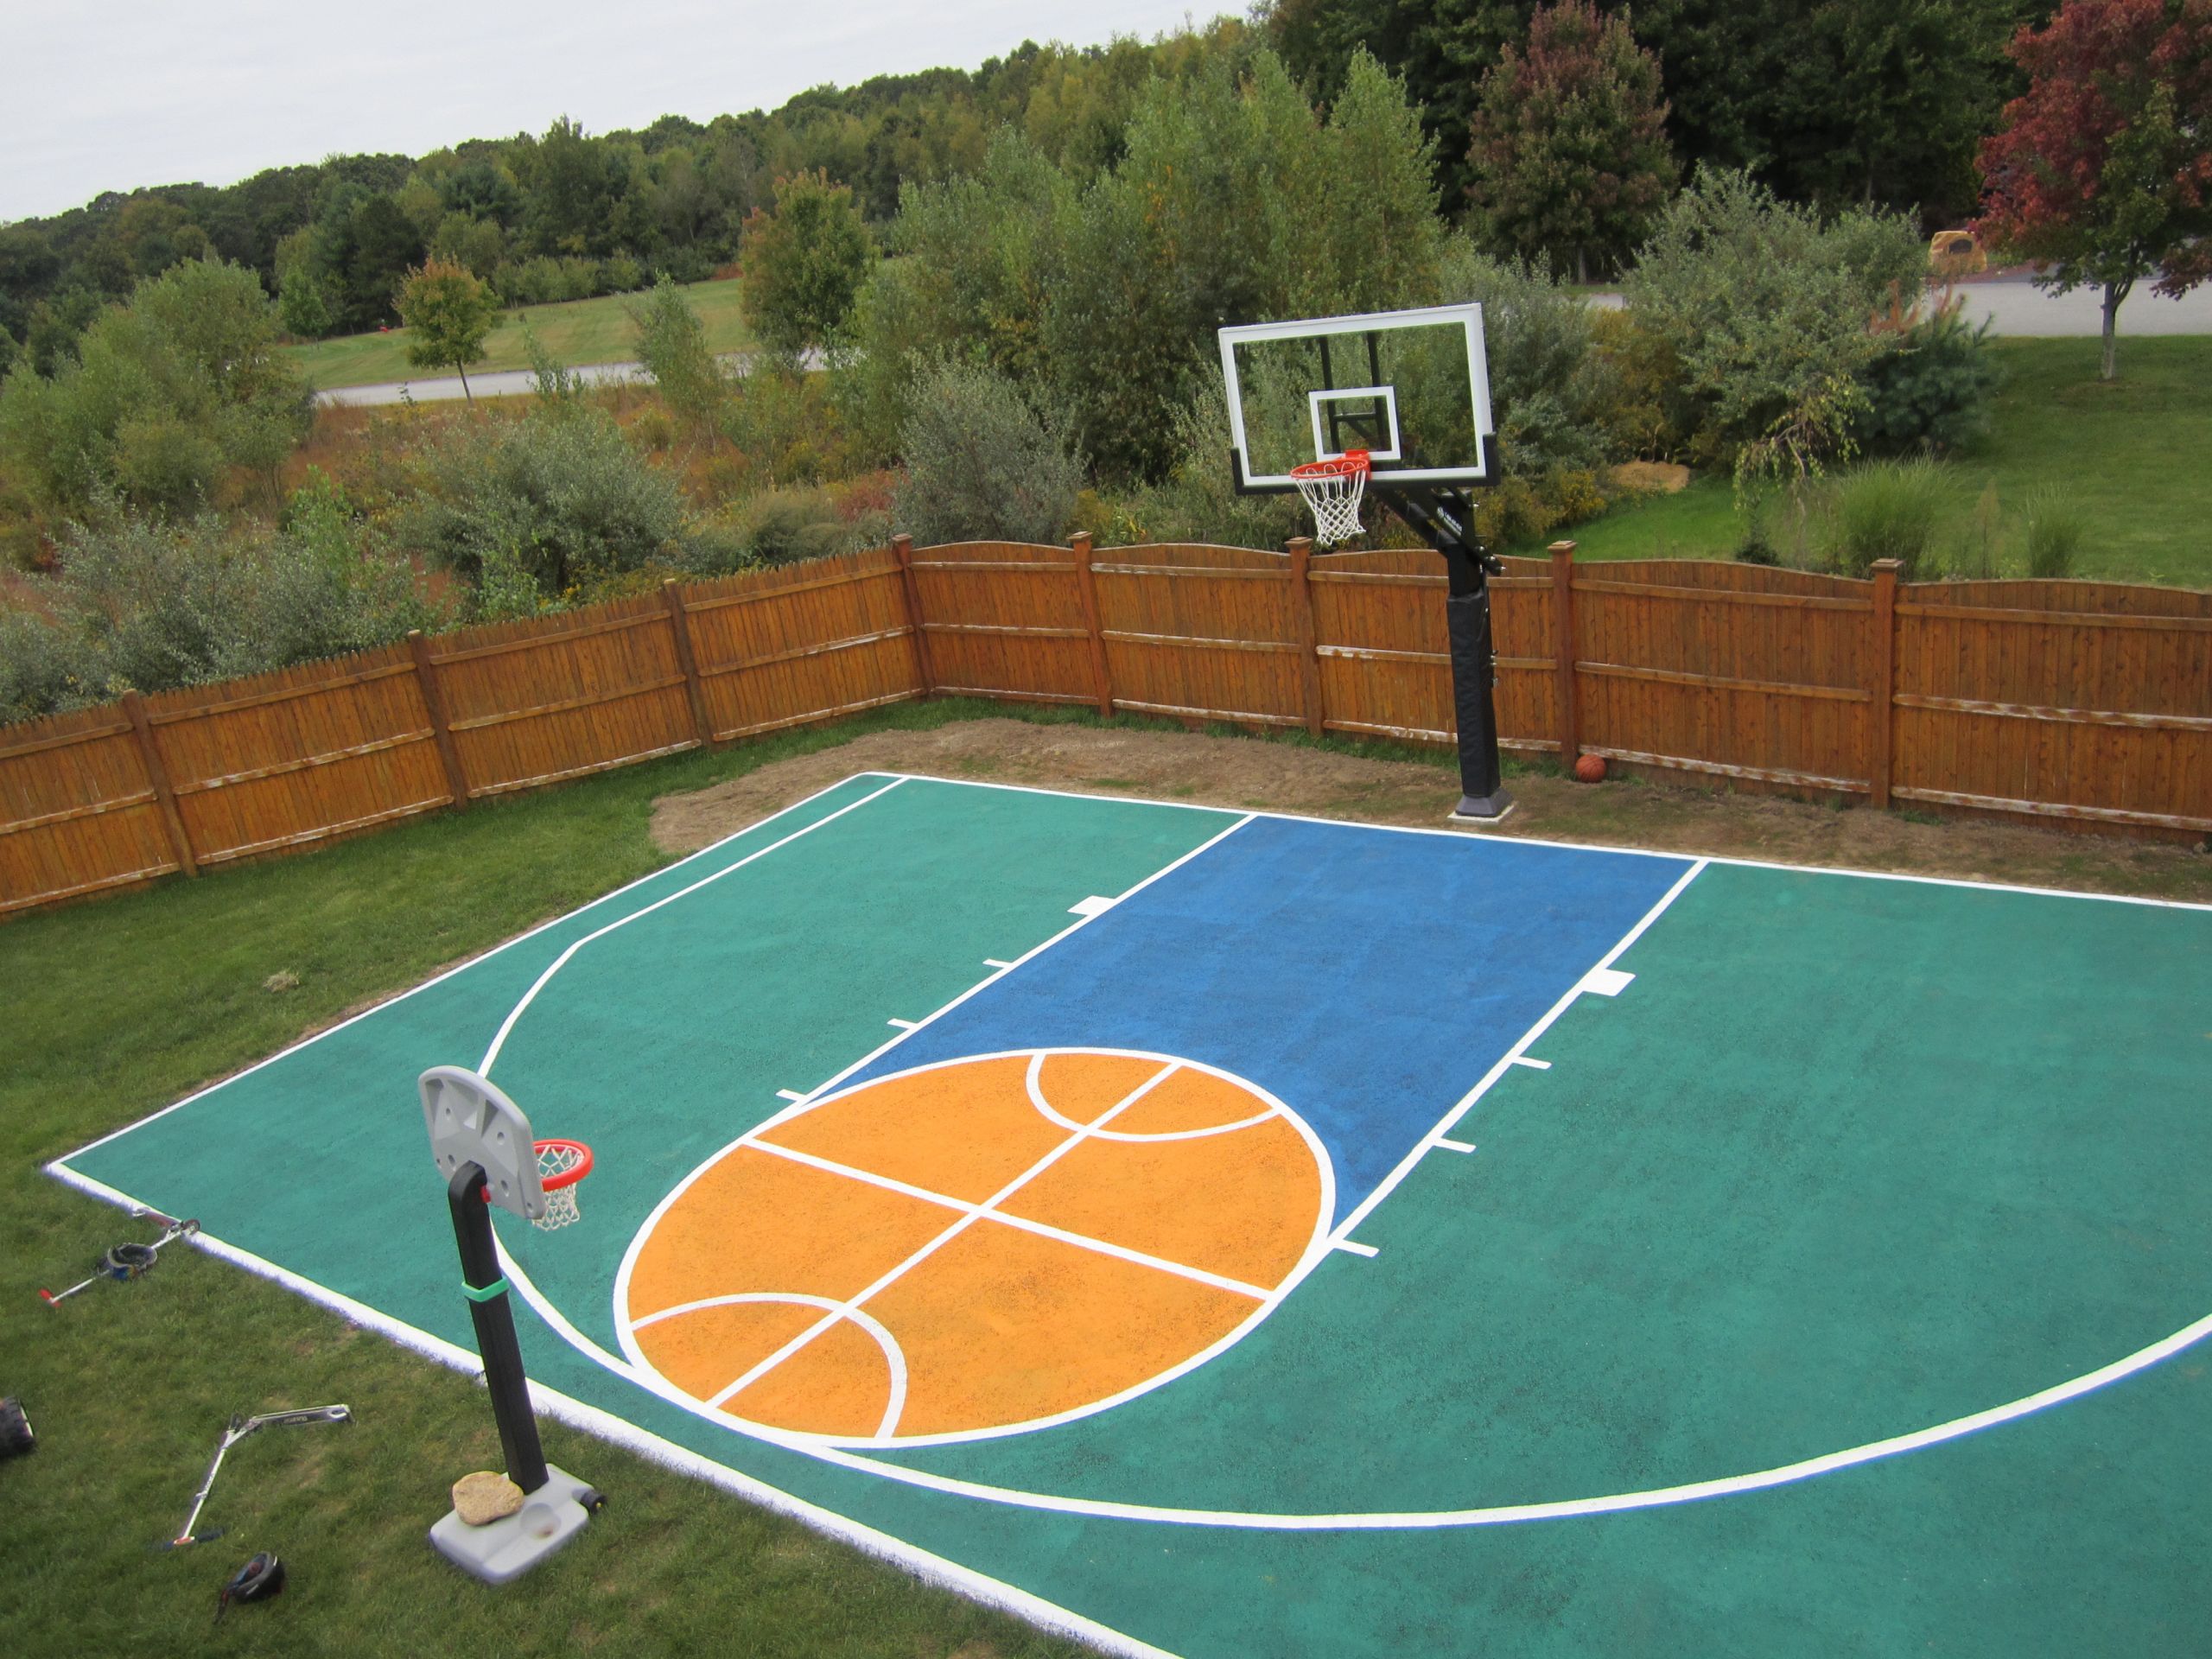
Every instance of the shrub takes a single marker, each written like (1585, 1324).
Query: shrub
(1887, 510)
(1551, 389)
(1765, 303)
(982, 464)
(1931, 389)
(44, 668)
(2054, 528)
(784, 526)
(163, 396)
(144, 603)
(671, 343)
(561, 495)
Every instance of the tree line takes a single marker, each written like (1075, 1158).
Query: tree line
(1830, 101)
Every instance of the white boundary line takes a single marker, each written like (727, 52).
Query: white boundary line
(639, 1370)
(54, 1167)
(930, 1567)
(1468, 836)
(500, 1040)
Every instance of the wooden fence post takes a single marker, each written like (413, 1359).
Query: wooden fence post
(680, 625)
(1883, 690)
(434, 699)
(1309, 638)
(904, 547)
(157, 774)
(1563, 682)
(1102, 680)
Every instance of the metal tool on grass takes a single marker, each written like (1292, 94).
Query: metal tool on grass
(239, 1428)
(128, 1261)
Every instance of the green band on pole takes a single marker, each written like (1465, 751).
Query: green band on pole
(484, 1292)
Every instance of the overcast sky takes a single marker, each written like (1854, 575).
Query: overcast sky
(126, 93)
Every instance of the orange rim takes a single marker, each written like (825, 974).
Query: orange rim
(569, 1177)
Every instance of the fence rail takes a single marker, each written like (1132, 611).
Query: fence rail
(2083, 703)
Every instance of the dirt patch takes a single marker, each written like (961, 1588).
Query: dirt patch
(1654, 477)
(1250, 773)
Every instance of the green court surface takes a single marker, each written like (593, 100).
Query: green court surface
(1489, 1246)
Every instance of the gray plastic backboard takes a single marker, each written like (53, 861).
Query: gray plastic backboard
(1410, 387)
(470, 1120)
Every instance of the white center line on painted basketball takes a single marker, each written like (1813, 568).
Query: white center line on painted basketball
(944, 1238)
(1004, 1218)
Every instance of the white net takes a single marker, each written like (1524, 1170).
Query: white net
(558, 1158)
(1334, 489)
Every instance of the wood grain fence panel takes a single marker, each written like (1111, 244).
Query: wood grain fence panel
(2050, 699)
(290, 757)
(77, 813)
(532, 704)
(1007, 618)
(1198, 632)
(779, 648)
(1735, 671)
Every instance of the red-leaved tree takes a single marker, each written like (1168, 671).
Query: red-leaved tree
(2102, 171)
(1569, 155)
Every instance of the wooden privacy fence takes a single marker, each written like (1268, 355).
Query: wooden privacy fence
(2088, 702)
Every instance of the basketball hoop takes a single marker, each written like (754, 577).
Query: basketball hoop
(1333, 488)
(561, 1164)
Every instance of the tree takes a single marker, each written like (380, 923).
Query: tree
(803, 262)
(2103, 169)
(1569, 150)
(450, 314)
(163, 394)
(672, 345)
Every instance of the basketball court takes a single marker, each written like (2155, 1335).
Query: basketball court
(1221, 1234)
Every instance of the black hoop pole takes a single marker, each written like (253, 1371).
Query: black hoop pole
(1446, 518)
(489, 1310)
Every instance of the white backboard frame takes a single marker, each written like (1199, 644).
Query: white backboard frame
(1469, 317)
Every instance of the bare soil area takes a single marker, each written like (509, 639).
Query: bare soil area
(1249, 773)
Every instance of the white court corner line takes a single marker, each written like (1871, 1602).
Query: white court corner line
(57, 1165)
(500, 1040)
(925, 1565)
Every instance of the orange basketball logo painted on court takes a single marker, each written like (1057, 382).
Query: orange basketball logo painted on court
(976, 1245)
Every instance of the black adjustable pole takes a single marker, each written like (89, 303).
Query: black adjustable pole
(1446, 519)
(487, 1290)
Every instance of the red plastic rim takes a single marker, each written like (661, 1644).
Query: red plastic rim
(1352, 460)
(570, 1176)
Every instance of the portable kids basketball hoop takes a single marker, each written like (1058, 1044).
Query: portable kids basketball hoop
(482, 1145)
(1332, 488)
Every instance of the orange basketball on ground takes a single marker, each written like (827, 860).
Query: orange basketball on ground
(975, 1245)
(1590, 769)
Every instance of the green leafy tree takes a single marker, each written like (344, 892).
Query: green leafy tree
(804, 261)
(163, 395)
(671, 342)
(2103, 169)
(1766, 306)
(1569, 155)
(449, 314)
(982, 464)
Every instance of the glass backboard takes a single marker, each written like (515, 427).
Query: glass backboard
(1410, 387)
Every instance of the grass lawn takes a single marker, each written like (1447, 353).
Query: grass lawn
(2132, 452)
(118, 1008)
(576, 332)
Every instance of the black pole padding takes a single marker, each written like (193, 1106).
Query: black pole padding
(495, 1330)
(1474, 677)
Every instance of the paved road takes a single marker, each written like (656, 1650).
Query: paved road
(2014, 304)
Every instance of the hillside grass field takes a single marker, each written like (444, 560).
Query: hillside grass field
(2131, 453)
(576, 332)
